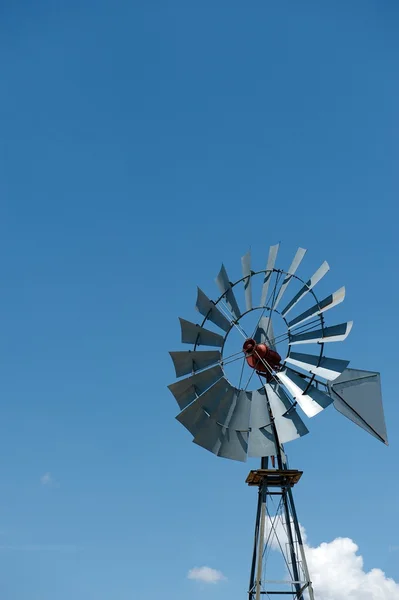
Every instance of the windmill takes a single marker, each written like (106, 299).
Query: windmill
(235, 420)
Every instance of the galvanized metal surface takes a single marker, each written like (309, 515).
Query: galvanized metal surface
(246, 272)
(186, 390)
(196, 414)
(357, 395)
(195, 334)
(234, 445)
(288, 423)
(269, 271)
(186, 362)
(336, 333)
(208, 309)
(300, 253)
(261, 442)
(321, 271)
(319, 308)
(310, 399)
(328, 368)
(240, 417)
(224, 285)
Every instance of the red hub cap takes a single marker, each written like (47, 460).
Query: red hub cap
(261, 358)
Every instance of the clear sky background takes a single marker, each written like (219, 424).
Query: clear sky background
(142, 144)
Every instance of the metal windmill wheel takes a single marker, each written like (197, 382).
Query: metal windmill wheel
(235, 423)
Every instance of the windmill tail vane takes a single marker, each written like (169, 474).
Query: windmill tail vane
(236, 422)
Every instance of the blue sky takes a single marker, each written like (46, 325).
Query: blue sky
(142, 144)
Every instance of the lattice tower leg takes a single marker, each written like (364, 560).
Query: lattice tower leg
(281, 532)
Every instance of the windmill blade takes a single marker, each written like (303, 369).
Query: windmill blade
(223, 411)
(187, 390)
(321, 271)
(225, 288)
(207, 308)
(217, 405)
(196, 414)
(264, 333)
(234, 445)
(190, 361)
(323, 306)
(260, 416)
(300, 253)
(225, 433)
(336, 333)
(222, 442)
(210, 435)
(246, 272)
(313, 401)
(357, 395)
(288, 423)
(261, 442)
(271, 261)
(193, 418)
(328, 368)
(195, 334)
(240, 416)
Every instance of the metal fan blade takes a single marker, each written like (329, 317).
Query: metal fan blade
(300, 253)
(328, 368)
(242, 410)
(225, 288)
(206, 307)
(193, 418)
(271, 261)
(235, 441)
(264, 333)
(219, 433)
(194, 334)
(313, 401)
(246, 272)
(261, 442)
(323, 306)
(189, 361)
(197, 413)
(234, 445)
(259, 411)
(186, 390)
(357, 395)
(336, 333)
(210, 435)
(222, 413)
(288, 423)
(321, 271)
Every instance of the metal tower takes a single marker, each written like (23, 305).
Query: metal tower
(277, 483)
(236, 422)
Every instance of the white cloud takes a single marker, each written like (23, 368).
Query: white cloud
(337, 570)
(337, 573)
(48, 479)
(206, 575)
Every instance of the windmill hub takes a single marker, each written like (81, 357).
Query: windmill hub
(262, 358)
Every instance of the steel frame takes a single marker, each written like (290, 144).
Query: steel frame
(296, 586)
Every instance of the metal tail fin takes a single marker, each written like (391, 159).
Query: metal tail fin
(357, 395)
